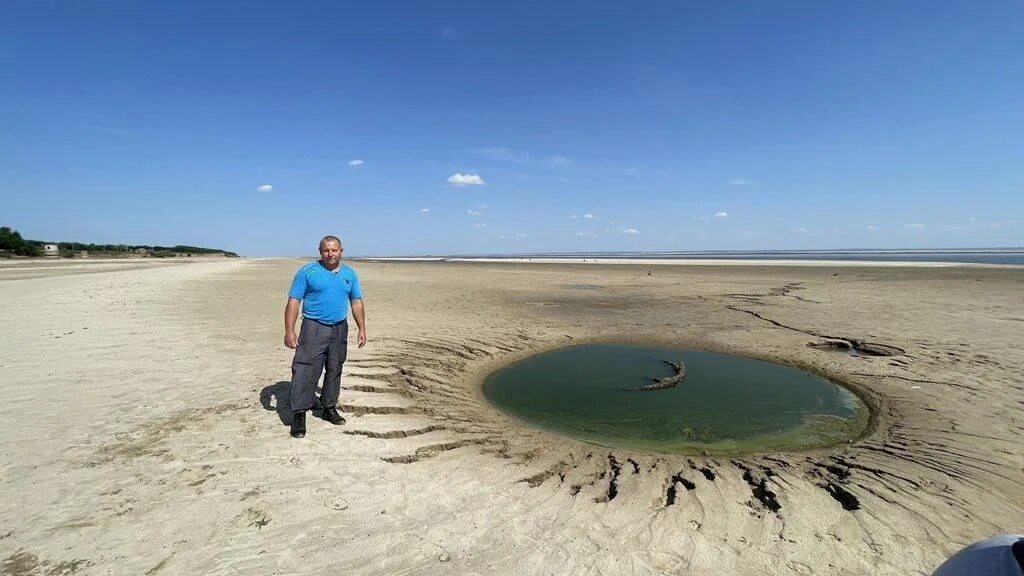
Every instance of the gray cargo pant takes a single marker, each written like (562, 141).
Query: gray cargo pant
(320, 347)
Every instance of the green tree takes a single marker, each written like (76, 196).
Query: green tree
(12, 241)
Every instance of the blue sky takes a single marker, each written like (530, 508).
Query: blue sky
(474, 127)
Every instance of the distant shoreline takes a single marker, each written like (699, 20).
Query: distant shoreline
(852, 257)
(702, 262)
(41, 262)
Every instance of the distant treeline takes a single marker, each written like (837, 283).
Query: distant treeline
(11, 241)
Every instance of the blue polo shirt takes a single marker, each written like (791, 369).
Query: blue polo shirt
(325, 294)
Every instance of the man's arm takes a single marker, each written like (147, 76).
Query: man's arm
(291, 314)
(359, 313)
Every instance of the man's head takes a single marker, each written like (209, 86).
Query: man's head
(330, 250)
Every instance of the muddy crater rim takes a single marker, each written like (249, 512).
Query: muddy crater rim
(669, 399)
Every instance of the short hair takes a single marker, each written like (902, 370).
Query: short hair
(329, 238)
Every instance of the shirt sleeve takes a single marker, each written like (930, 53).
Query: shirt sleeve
(357, 292)
(298, 289)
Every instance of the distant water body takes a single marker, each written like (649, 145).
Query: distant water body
(1004, 256)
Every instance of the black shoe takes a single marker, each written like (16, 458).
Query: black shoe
(332, 416)
(298, 424)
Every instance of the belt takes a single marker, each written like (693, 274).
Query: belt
(327, 323)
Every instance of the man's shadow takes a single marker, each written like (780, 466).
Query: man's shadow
(276, 398)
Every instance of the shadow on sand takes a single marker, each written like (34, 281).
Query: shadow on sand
(275, 398)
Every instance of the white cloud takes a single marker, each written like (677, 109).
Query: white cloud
(265, 188)
(557, 161)
(465, 180)
(506, 155)
(424, 210)
(630, 231)
(355, 162)
(589, 216)
(801, 230)
(573, 216)
(872, 228)
(520, 235)
(740, 182)
(478, 225)
(585, 234)
(108, 129)
(722, 214)
(974, 224)
(914, 226)
(503, 154)
(474, 213)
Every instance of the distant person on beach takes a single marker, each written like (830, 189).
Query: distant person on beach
(324, 289)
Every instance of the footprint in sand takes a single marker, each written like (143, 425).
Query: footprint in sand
(800, 568)
(331, 500)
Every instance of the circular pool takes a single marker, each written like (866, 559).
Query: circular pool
(676, 400)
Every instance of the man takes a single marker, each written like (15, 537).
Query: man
(324, 288)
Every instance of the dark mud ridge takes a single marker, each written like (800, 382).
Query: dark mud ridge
(857, 347)
(662, 383)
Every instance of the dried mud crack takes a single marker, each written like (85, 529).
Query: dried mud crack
(674, 481)
(831, 342)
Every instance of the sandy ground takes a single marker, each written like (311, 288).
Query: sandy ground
(141, 433)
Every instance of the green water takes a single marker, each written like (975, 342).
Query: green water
(726, 404)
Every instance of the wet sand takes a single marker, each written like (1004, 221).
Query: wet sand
(141, 434)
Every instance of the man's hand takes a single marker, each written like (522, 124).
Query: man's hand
(359, 314)
(291, 314)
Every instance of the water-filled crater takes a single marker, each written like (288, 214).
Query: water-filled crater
(669, 400)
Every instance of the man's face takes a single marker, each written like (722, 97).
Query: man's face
(330, 252)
